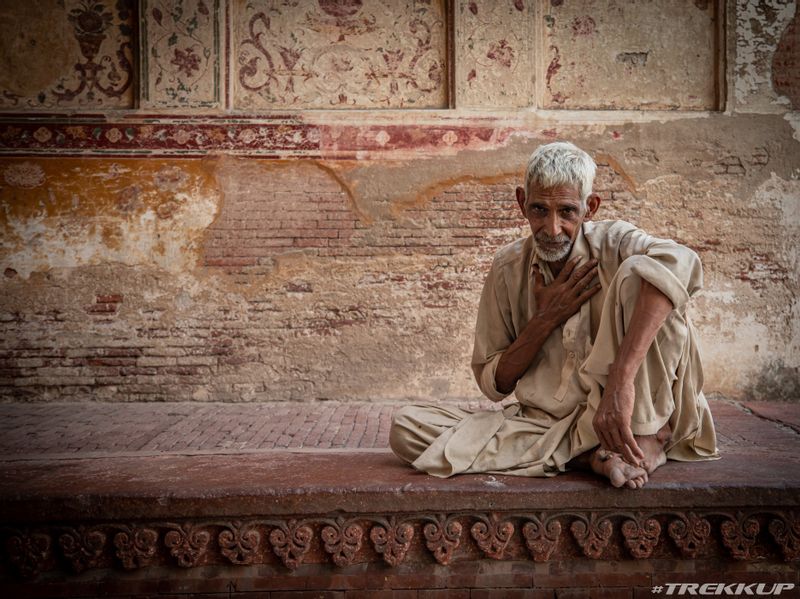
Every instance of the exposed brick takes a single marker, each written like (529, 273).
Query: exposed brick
(382, 594)
(443, 594)
(512, 594)
(592, 573)
(594, 593)
(102, 308)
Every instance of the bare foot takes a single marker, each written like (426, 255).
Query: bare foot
(653, 448)
(618, 471)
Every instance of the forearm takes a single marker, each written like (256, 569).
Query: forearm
(516, 360)
(650, 311)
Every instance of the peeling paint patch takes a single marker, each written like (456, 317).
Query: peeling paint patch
(598, 61)
(776, 381)
(25, 175)
(786, 63)
(793, 119)
(633, 59)
(759, 26)
(72, 212)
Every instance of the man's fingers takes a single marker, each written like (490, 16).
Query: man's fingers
(599, 432)
(585, 269)
(627, 453)
(586, 278)
(603, 438)
(616, 439)
(567, 270)
(538, 277)
(583, 297)
(630, 441)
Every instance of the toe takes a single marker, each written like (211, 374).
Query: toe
(617, 478)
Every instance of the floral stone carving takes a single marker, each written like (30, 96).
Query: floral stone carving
(641, 536)
(291, 542)
(392, 540)
(541, 537)
(239, 542)
(188, 544)
(442, 537)
(135, 547)
(492, 535)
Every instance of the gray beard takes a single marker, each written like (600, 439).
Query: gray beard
(548, 254)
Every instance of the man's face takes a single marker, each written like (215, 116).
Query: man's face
(555, 215)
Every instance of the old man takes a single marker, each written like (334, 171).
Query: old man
(585, 321)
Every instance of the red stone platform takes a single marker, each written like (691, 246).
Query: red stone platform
(288, 500)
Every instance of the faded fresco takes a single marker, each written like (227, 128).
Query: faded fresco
(278, 249)
(67, 54)
(494, 54)
(667, 61)
(182, 57)
(339, 54)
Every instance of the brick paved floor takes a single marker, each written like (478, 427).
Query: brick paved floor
(185, 427)
(67, 429)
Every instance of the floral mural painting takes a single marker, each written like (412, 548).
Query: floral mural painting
(95, 55)
(494, 62)
(340, 54)
(181, 57)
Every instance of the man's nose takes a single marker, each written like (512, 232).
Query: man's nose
(553, 225)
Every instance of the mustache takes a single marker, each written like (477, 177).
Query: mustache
(543, 237)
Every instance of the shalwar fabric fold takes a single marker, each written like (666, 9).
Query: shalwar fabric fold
(557, 397)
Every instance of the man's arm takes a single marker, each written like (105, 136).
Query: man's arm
(612, 422)
(555, 304)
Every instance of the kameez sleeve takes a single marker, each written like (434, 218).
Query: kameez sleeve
(493, 332)
(673, 269)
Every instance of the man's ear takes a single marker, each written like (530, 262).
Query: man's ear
(521, 200)
(592, 204)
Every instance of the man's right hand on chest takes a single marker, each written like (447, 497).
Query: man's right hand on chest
(558, 301)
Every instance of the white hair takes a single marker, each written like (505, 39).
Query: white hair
(560, 163)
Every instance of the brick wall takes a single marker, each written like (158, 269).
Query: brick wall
(272, 223)
(279, 306)
(486, 579)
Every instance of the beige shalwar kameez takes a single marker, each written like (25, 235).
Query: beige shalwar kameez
(559, 393)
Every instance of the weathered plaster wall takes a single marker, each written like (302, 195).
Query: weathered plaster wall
(196, 249)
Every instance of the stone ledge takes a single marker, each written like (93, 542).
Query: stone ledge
(296, 484)
(295, 514)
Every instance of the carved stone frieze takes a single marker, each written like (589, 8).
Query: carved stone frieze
(342, 540)
(786, 532)
(188, 544)
(82, 547)
(392, 539)
(592, 534)
(135, 546)
(691, 534)
(442, 537)
(492, 535)
(641, 536)
(739, 536)
(28, 552)
(239, 542)
(541, 537)
(290, 542)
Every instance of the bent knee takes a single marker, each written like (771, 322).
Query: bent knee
(399, 434)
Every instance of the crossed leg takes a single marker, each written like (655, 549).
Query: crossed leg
(619, 472)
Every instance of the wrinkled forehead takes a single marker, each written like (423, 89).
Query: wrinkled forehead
(568, 194)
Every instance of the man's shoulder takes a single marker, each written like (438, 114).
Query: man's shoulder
(606, 232)
(516, 252)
